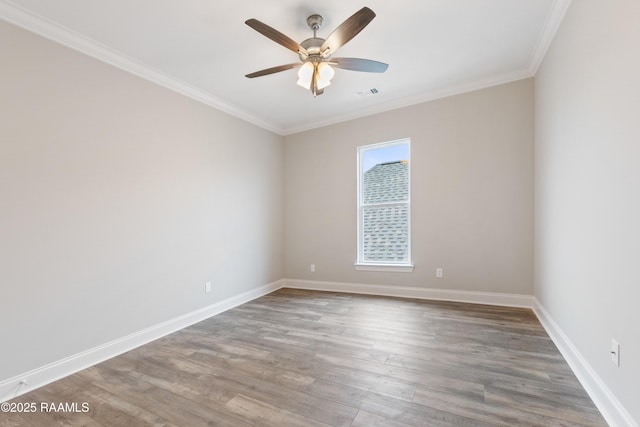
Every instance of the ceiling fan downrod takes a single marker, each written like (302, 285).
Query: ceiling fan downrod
(314, 22)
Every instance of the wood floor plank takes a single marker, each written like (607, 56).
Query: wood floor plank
(480, 364)
(265, 414)
(416, 415)
(366, 419)
(10, 419)
(493, 412)
(564, 395)
(544, 405)
(166, 404)
(107, 406)
(306, 358)
(45, 416)
(221, 381)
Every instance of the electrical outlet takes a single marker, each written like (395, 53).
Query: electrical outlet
(439, 272)
(615, 352)
(313, 268)
(207, 287)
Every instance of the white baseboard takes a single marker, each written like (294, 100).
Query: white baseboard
(490, 298)
(39, 377)
(610, 407)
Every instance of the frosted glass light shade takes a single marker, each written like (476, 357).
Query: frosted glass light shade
(305, 75)
(325, 74)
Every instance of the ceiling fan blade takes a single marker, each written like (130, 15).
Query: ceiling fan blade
(357, 64)
(273, 70)
(347, 30)
(275, 35)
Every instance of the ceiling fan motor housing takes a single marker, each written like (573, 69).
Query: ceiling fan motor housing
(312, 46)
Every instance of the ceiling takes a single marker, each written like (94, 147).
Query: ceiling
(203, 49)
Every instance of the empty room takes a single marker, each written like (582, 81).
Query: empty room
(299, 213)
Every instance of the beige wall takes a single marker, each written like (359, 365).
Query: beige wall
(587, 198)
(119, 200)
(472, 193)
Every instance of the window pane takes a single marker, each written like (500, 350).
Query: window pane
(384, 154)
(386, 183)
(383, 203)
(385, 234)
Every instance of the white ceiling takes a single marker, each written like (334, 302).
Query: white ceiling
(203, 49)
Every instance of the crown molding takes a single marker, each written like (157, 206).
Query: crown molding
(549, 30)
(29, 21)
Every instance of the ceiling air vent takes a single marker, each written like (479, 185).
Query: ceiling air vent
(367, 93)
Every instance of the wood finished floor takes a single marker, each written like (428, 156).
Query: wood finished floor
(303, 358)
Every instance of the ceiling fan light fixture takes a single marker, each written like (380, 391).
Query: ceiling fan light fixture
(315, 72)
(324, 75)
(305, 75)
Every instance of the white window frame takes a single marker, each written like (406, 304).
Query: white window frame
(361, 265)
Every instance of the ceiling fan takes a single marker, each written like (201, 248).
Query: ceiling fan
(315, 53)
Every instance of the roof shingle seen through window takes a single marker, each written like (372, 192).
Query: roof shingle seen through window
(386, 183)
(386, 228)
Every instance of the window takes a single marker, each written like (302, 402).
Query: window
(384, 207)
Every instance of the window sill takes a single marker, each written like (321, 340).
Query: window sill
(391, 268)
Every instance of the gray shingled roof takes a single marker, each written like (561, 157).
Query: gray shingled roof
(385, 227)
